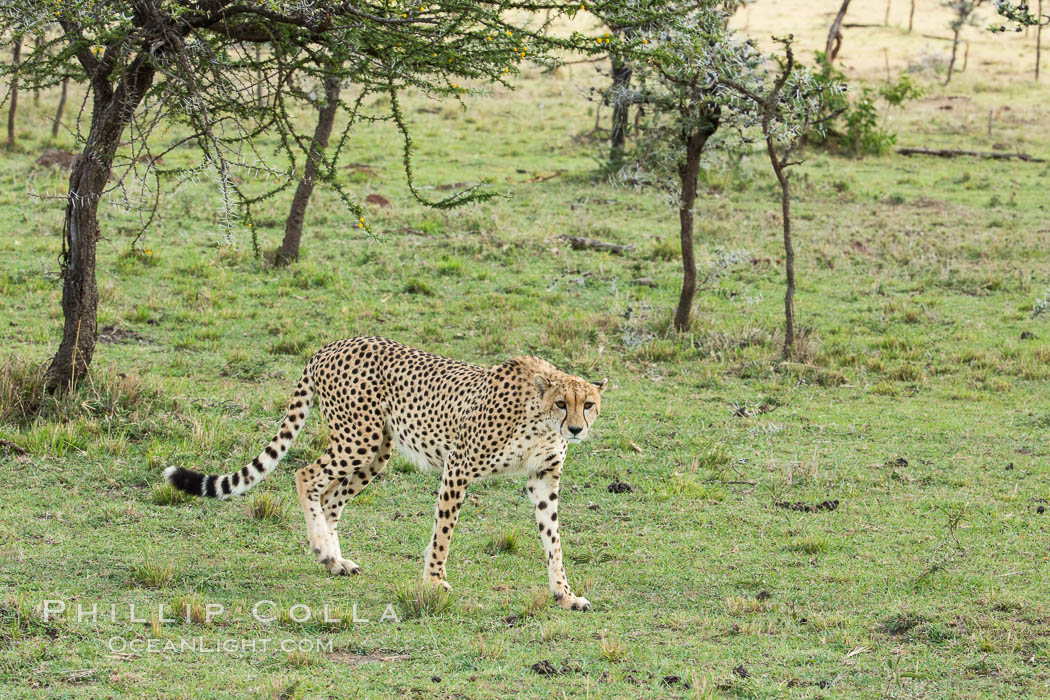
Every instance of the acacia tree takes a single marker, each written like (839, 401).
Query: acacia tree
(676, 49)
(153, 62)
(631, 27)
(694, 76)
(672, 57)
(789, 106)
(964, 15)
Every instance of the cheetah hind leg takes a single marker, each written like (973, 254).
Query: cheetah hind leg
(338, 494)
(332, 502)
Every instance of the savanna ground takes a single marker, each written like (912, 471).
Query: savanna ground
(918, 403)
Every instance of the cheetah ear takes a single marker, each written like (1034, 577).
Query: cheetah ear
(601, 385)
(541, 382)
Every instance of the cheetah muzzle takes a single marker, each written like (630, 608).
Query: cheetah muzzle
(469, 422)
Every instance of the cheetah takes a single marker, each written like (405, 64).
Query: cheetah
(469, 422)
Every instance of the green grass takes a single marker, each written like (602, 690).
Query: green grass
(918, 401)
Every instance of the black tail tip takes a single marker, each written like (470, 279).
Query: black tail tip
(184, 480)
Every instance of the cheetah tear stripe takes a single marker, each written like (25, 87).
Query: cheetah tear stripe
(238, 482)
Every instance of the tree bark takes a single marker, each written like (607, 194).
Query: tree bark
(111, 112)
(789, 249)
(621, 77)
(16, 58)
(293, 227)
(61, 108)
(688, 173)
(951, 62)
(831, 49)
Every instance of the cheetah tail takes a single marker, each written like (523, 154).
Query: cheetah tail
(240, 481)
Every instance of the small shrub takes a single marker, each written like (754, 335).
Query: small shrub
(1041, 305)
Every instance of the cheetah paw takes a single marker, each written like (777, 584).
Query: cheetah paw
(439, 583)
(342, 567)
(575, 603)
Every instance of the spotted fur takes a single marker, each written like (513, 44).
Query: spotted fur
(469, 422)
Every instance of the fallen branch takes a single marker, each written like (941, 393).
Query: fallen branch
(578, 243)
(544, 178)
(952, 153)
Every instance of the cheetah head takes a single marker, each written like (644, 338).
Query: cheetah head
(570, 404)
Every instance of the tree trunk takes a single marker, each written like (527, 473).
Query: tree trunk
(16, 58)
(112, 110)
(61, 108)
(688, 173)
(789, 249)
(951, 62)
(293, 228)
(621, 77)
(831, 49)
(911, 16)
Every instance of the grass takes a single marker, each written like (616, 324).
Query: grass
(920, 394)
(264, 505)
(153, 573)
(423, 600)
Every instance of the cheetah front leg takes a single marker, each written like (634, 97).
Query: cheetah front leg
(543, 492)
(454, 482)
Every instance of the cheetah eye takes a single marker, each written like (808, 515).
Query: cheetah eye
(588, 406)
(560, 404)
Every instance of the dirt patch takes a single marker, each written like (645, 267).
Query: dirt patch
(112, 334)
(53, 158)
(8, 447)
(378, 200)
(801, 507)
(345, 657)
(901, 623)
(363, 168)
